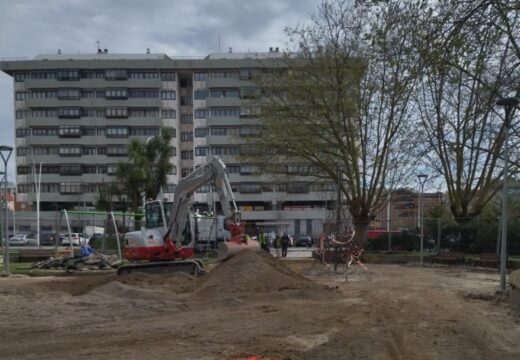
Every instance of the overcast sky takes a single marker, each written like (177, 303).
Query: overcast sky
(174, 27)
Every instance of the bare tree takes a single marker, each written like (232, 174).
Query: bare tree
(341, 102)
(466, 65)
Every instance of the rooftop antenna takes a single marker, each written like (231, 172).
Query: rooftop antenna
(219, 44)
(98, 46)
(59, 51)
(147, 50)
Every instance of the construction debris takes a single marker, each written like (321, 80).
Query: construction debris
(94, 261)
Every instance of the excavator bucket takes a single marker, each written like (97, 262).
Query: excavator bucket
(229, 248)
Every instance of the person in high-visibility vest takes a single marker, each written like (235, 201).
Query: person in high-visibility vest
(262, 239)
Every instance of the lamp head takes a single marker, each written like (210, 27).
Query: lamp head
(6, 148)
(508, 102)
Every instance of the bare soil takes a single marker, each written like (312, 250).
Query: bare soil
(252, 305)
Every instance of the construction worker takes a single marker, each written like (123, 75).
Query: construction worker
(262, 239)
(278, 244)
(285, 244)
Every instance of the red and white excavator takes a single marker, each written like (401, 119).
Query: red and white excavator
(166, 244)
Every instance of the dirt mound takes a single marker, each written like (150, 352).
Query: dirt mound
(251, 272)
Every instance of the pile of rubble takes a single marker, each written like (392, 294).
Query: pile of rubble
(91, 262)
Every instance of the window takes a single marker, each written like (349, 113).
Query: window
(88, 150)
(249, 169)
(201, 151)
(204, 189)
(225, 93)
(22, 95)
(21, 114)
(50, 169)
(25, 188)
(23, 132)
(225, 150)
(24, 169)
(201, 94)
(170, 130)
(186, 83)
(200, 76)
(133, 112)
(116, 93)
(39, 75)
(102, 169)
(89, 169)
(69, 94)
(185, 172)
(297, 188)
(168, 76)
(249, 92)
(116, 113)
(116, 150)
(45, 150)
(173, 170)
(68, 75)
(71, 169)
(70, 151)
(89, 112)
(246, 74)
(44, 113)
(69, 113)
(187, 136)
(250, 131)
(230, 112)
(115, 74)
(41, 131)
(167, 95)
(201, 132)
(186, 100)
(89, 74)
(201, 113)
(88, 94)
(187, 154)
(111, 169)
(144, 131)
(169, 188)
(222, 131)
(143, 74)
(173, 151)
(23, 151)
(70, 188)
(143, 93)
(224, 74)
(116, 131)
(168, 114)
(21, 76)
(70, 131)
(43, 94)
(88, 131)
(233, 169)
(250, 188)
(186, 119)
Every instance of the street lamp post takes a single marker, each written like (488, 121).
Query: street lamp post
(422, 179)
(509, 105)
(5, 152)
(37, 185)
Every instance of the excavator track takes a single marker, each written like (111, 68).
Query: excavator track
(192, 266)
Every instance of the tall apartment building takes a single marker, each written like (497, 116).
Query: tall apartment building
(75, 115)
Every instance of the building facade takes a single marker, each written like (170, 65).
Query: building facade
(76, 114)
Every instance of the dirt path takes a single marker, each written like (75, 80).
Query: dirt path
(390, 312)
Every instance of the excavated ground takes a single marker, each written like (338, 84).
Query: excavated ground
(255, 305)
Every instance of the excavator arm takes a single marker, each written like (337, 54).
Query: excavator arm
(213, 171)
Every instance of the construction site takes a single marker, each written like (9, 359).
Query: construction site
(254, 306)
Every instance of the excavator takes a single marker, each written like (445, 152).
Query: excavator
(165, 243)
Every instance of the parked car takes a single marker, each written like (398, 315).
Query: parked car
(23, 240)
(303, 240)
(48, 239)
(77, 239)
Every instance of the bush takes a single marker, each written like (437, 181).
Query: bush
(404, 241)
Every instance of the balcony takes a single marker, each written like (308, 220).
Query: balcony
(223, 101)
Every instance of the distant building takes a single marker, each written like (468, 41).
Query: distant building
(404, 210)
(76, 113)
